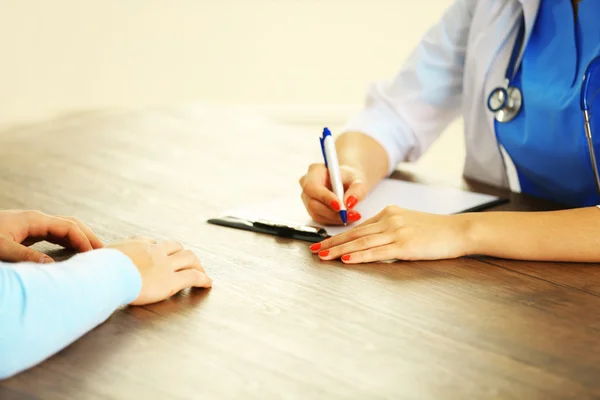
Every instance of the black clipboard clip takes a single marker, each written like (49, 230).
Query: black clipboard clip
(305, 233)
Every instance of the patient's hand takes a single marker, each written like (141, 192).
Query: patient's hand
(165, 268)
(19, 229)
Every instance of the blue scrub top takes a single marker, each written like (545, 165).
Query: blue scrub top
(546, 141)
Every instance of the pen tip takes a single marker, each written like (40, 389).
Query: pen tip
(344, 216)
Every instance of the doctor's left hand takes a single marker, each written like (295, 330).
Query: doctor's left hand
(401, 234)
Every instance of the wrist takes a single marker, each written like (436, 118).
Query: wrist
(363, 154)
(469, 233)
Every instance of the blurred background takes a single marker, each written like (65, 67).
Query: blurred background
(300, 62)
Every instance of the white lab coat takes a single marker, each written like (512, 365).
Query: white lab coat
(451, 72)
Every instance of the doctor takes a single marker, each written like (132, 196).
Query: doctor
(527, 136)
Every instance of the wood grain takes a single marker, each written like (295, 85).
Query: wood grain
(279, 323)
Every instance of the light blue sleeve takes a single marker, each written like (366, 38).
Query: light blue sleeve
(44, 308)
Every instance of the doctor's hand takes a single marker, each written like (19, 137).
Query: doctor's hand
(20, 229)
(320, 201)
(165, 267)
(398, 234)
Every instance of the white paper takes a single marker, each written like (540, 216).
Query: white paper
(414, 196)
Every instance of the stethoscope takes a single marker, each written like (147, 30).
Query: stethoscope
(506, 101)
(590, 87)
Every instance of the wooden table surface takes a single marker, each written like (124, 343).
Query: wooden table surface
(279, 323)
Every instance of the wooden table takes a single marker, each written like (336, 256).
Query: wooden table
(279, 323)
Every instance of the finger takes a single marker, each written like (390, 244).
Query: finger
(360, 244)
(191, 278)
(324, 213)
(15, 252)
(94, 240)
(383, 253)
(185, 259)
(314, 187)
(370, 221)
(144, 239)
(170, 247)
(355, 192)
(30, 241)
(302, 180)
(57, 230)
(351, 235)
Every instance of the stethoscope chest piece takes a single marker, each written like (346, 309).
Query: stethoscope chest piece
(505, 103)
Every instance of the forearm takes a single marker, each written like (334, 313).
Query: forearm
(364, 154)
(569, 235)
(44, 308)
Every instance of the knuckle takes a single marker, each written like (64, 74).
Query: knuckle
(354, 234)
(362, 256)
(320, 220)
(189, 254)
(71, 225)
(315, 206)
(32, 214)
(390, 210)
(378, 252)
(197, 275)
(309, 186)
(396, 221)
(178, 246)
(75, 220)
(28, 253)
(314, 166)
(365, 241)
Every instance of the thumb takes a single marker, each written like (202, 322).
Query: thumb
(16, 252)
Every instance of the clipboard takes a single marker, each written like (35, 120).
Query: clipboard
(305, 233)
(286, 216)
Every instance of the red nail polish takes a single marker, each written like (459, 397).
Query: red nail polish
(324, 253)
(346, 257)
(354, 216)
(351, 201)
(315, 247)
(335, 205)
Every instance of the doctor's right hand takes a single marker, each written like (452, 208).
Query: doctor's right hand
(320, 201)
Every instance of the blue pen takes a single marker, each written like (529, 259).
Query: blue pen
(333, 166)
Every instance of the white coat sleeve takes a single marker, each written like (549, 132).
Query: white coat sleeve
(406, 115)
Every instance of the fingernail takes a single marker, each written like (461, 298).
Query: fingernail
(324, 253)
(335, 205)
(46, 260)
(346, 257)
(354, 216)
(315, 247)
(351, 201)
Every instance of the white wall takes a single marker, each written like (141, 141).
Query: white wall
(304, 57)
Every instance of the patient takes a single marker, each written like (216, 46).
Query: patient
(45, 306)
